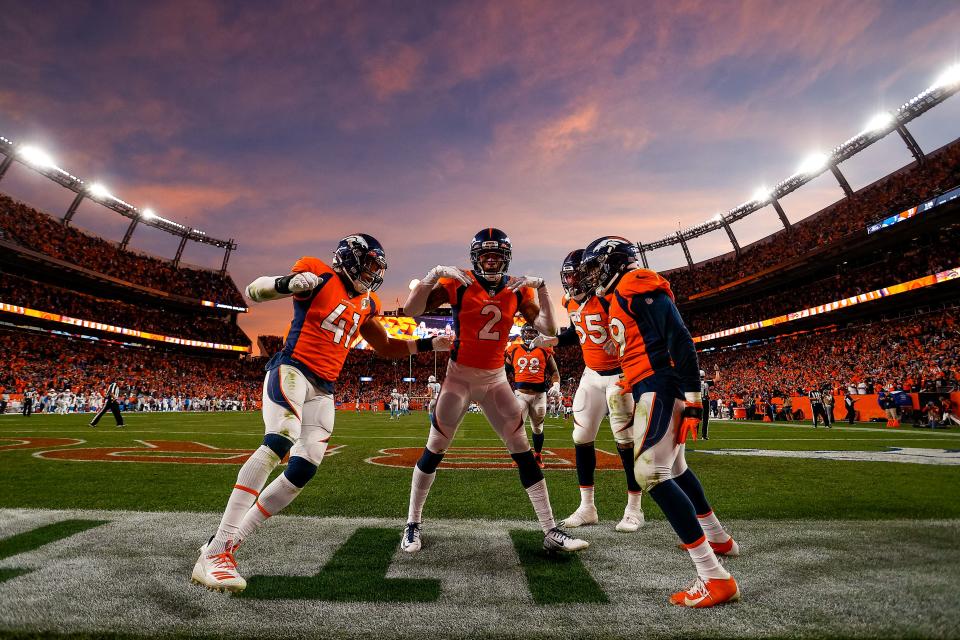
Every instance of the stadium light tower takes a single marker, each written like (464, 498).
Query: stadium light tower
(643, 255)
(7, 161)
(146, 214)
(726, 227)
(686, 249)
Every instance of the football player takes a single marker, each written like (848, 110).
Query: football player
(484, 302)
(331, 305)
(597, 394)
(394, 404)
(660, 369)
(530, 367)
(433, 392)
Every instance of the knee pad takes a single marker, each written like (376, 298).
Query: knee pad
(648, 473)
(278, 444)
(299, 471)
(429, 461)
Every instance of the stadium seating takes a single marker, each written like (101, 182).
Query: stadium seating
(37, 231)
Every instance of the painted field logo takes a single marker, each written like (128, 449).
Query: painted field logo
(947, 457)
(487, 458)
(164, 451)
(9, 444)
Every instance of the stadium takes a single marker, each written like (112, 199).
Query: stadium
(827, 336)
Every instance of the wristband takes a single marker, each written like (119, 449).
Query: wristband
(282, 284)
(424, 344)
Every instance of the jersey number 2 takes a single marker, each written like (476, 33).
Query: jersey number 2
(493, 311)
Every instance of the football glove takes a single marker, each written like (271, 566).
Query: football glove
(544, 341)
(690, 417)
(442, 343)
(612, 348)
(554, 390)
(304, 281)
(524, 281)
(625, 387)
(440, 271)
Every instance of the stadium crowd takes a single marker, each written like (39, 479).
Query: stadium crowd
(930, 253)
(149, 378)
(45, 297)
(34, 230)
(848, 217)
(920, 353)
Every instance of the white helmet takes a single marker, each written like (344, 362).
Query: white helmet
(394, 389)
(432, 379)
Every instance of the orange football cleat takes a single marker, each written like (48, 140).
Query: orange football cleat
(539, 458)
(709, 593)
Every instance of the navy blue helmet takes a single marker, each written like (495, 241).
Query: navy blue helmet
(605, 260)
(488, 241)
(360, 259)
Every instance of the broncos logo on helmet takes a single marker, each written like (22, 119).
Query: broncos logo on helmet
(361, 260)
(490, 241)
(605, 260)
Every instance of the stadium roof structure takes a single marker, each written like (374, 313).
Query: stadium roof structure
(878, 128)
(40, 162)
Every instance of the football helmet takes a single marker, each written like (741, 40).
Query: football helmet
(490, 241)
(528, 334)
(394, 391)
(605, 260)
(361, 260)
(432, 379)
(570, 276)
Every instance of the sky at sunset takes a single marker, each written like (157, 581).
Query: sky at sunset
(289, 125)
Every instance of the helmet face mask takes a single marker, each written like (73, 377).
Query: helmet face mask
(360, 258)
(490, 254)
(528, 334)
(605, 260)
(571, 276)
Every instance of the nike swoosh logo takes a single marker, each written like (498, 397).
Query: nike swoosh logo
(688, 602)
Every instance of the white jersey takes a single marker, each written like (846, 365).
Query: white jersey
(433, 390)
(395, 400)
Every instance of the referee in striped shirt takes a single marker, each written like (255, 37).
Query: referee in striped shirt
(110, 402)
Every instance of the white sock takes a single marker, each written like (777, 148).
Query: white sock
(253, 475)
(633, 500)
(586, 496)
(272, 501)
(712, 528)
(541, 505)
(708, 567)
(419, 489)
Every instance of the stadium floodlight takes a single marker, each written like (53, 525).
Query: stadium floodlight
(762, 194)
(879, 122)
(147, 214)
(949, 77)
(813, 163)
(97, 190)
(37, 157)
(414, 283)
(717, 217)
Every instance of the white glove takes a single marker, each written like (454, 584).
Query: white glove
(305, 281)
(554, 389)
(545, 341)
(612, 348)
(443, 343)
(525, 281)
(440, 271)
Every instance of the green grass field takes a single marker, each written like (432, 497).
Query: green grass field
(880, 525)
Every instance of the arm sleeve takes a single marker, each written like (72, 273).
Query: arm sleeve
(665, 318)
(568, 337)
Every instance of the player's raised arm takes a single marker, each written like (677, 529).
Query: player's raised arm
(540, 313)
(275, 287)
(426, 296)
(376, 336)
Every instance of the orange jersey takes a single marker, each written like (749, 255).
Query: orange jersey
(590, 320)
(648, 327)
(529, 365)
(482, 319)
(326, 321)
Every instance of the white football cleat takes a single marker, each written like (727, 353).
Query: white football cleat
(218, 571)
(410, 540)
(632, 520)
(584, 515)
(559, 540)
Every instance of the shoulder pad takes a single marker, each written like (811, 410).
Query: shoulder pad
(641, 281)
